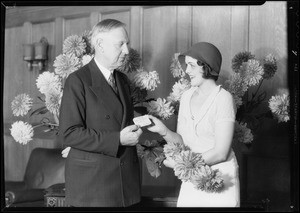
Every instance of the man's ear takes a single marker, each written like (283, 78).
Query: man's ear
(99, 43)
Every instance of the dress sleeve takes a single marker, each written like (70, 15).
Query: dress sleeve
(226, 108)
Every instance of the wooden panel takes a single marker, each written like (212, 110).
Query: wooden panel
(76, 26)
(213, 24)
(184, 28)
(268, 34)
(16, 74)
(158, 47)
(16, 16)
(136, 14)
(123, 16)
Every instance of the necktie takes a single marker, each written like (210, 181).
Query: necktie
(112, 83)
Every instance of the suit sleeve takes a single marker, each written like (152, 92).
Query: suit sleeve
(73, 130)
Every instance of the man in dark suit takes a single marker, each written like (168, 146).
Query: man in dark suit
(102, 167)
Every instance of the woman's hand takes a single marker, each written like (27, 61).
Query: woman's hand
(169, 162)
(158, 126)
(65, 152)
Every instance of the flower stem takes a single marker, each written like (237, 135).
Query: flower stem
(257, 89)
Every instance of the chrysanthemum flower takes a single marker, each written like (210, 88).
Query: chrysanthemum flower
(173, 149)
(74, 45)
(270, 66)
(175, 67)
(131, 63)
(53, 101)
(21, 132)
(207, 179)
(86, 36)
(237, 100)
(140, 150)
(21, 104)
(138, 95)
(236, 85)
(178, 89)
(279, 105)
(187, 163)
(66, 64)
(86, 59)
(146, 80)
(47, 82)
(239, 59)
(242, 134)
(160, 108)
(252, 72)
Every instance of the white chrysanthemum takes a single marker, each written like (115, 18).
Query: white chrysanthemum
(242, 133)
(178, 89)
(21, 132)
(74, 45)
(21, 104)
(253, 72)
(146, 80)
(53, 101)
(160, 108)
(172, 149)
(175, 67)
(66, 64)
(47, 82)
(187, 163)
(279, 105)
(86, 59)
(270, 58)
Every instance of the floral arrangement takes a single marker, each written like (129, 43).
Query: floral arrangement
(191, 167)
(245, 85)
(76, 52)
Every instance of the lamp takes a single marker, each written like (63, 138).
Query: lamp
(36, 54)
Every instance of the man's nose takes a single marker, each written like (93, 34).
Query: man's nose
(125, 49)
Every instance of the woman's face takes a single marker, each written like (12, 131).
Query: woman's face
(194, 71)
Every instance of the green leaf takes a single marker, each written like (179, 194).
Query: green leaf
(41, 110)
(152, 166)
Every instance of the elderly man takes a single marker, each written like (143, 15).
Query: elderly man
(102, 167)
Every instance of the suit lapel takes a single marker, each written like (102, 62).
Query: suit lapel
(104, 92)
(124, 95)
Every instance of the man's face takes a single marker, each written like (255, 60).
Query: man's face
(115, 47)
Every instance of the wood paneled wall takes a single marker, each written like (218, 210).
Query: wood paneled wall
(157, 33)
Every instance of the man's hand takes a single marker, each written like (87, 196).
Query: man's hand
(129, 136)
(65, 152)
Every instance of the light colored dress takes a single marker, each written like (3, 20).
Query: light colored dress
(198, 133)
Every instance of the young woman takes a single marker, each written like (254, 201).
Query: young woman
(205, 124)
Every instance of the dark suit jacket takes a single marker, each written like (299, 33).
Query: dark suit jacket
(99, 171)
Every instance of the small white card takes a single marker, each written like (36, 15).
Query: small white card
(142, 121)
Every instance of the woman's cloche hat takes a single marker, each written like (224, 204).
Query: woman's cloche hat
(206, 53)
